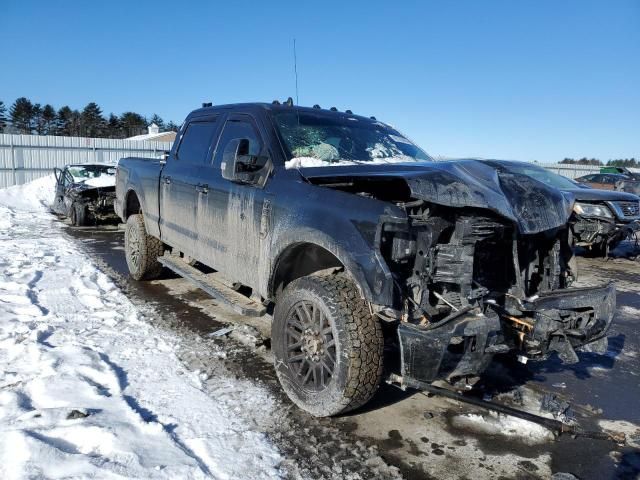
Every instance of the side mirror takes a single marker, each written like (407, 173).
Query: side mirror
(238, 164)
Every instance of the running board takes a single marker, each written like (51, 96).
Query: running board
(218, 290)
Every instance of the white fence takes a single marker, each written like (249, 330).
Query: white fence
(571, 171)
(26, 157)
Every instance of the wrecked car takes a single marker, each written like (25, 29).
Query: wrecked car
(364, 245)
(85, 193)
(601, 219)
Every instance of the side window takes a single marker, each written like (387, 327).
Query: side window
(229, 144)
(196, 141)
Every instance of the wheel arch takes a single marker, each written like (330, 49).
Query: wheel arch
(131, 204)
(304, 258)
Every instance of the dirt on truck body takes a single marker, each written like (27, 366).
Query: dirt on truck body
(362, 242)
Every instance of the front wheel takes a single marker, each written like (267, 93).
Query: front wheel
(79, 215)
(327, 345)
(141, 250)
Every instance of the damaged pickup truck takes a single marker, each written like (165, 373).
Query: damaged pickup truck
(85, 193)
(364, 245)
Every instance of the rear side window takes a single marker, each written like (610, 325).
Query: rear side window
(196, 141)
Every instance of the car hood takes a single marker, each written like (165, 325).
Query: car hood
(595, 195)
(531, 205)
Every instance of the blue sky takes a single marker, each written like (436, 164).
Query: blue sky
(529, 80)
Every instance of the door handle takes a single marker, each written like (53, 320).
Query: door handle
(204, 189)
(166, 180)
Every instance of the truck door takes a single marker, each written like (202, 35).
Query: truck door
(229, 216)
(180, 182)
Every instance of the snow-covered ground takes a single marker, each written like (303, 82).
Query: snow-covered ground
(88, 388)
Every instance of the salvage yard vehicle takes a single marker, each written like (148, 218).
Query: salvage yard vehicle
(613, 178)
(601, 218)
(364, 245)
(602, 181)
(85, 193)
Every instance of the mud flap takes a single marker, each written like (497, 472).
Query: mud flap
(461, 348)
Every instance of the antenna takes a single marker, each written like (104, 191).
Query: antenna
(295, 69)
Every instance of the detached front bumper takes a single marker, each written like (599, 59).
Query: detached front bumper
(589, 231)
(463, 345)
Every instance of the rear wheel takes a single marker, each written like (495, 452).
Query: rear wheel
(141, 250)
(327, 345)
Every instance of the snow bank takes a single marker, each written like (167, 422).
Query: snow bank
(88, 387)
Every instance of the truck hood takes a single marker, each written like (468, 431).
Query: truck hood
(531, 205)
(588, 194)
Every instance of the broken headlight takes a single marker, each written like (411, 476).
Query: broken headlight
(592, 210)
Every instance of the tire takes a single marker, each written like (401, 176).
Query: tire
(598, 250)
(340, 367)
(79, 215)
(141, 250)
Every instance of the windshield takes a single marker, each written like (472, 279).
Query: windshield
(544, 176)
(94, 175)
(323, 139)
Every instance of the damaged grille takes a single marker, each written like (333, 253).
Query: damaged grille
(629, 209)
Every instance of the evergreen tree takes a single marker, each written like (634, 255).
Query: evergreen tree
(114, 127)
(172, 127)
(93, 123)
(3, 116)
(133, 124)
(63, 121)
(22, 114)
(76, 128)
(49, 120)
(157, 119)
(37, 124)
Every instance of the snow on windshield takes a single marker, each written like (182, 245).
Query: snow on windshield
(93, 176)
(101, 181)
(308, 162)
